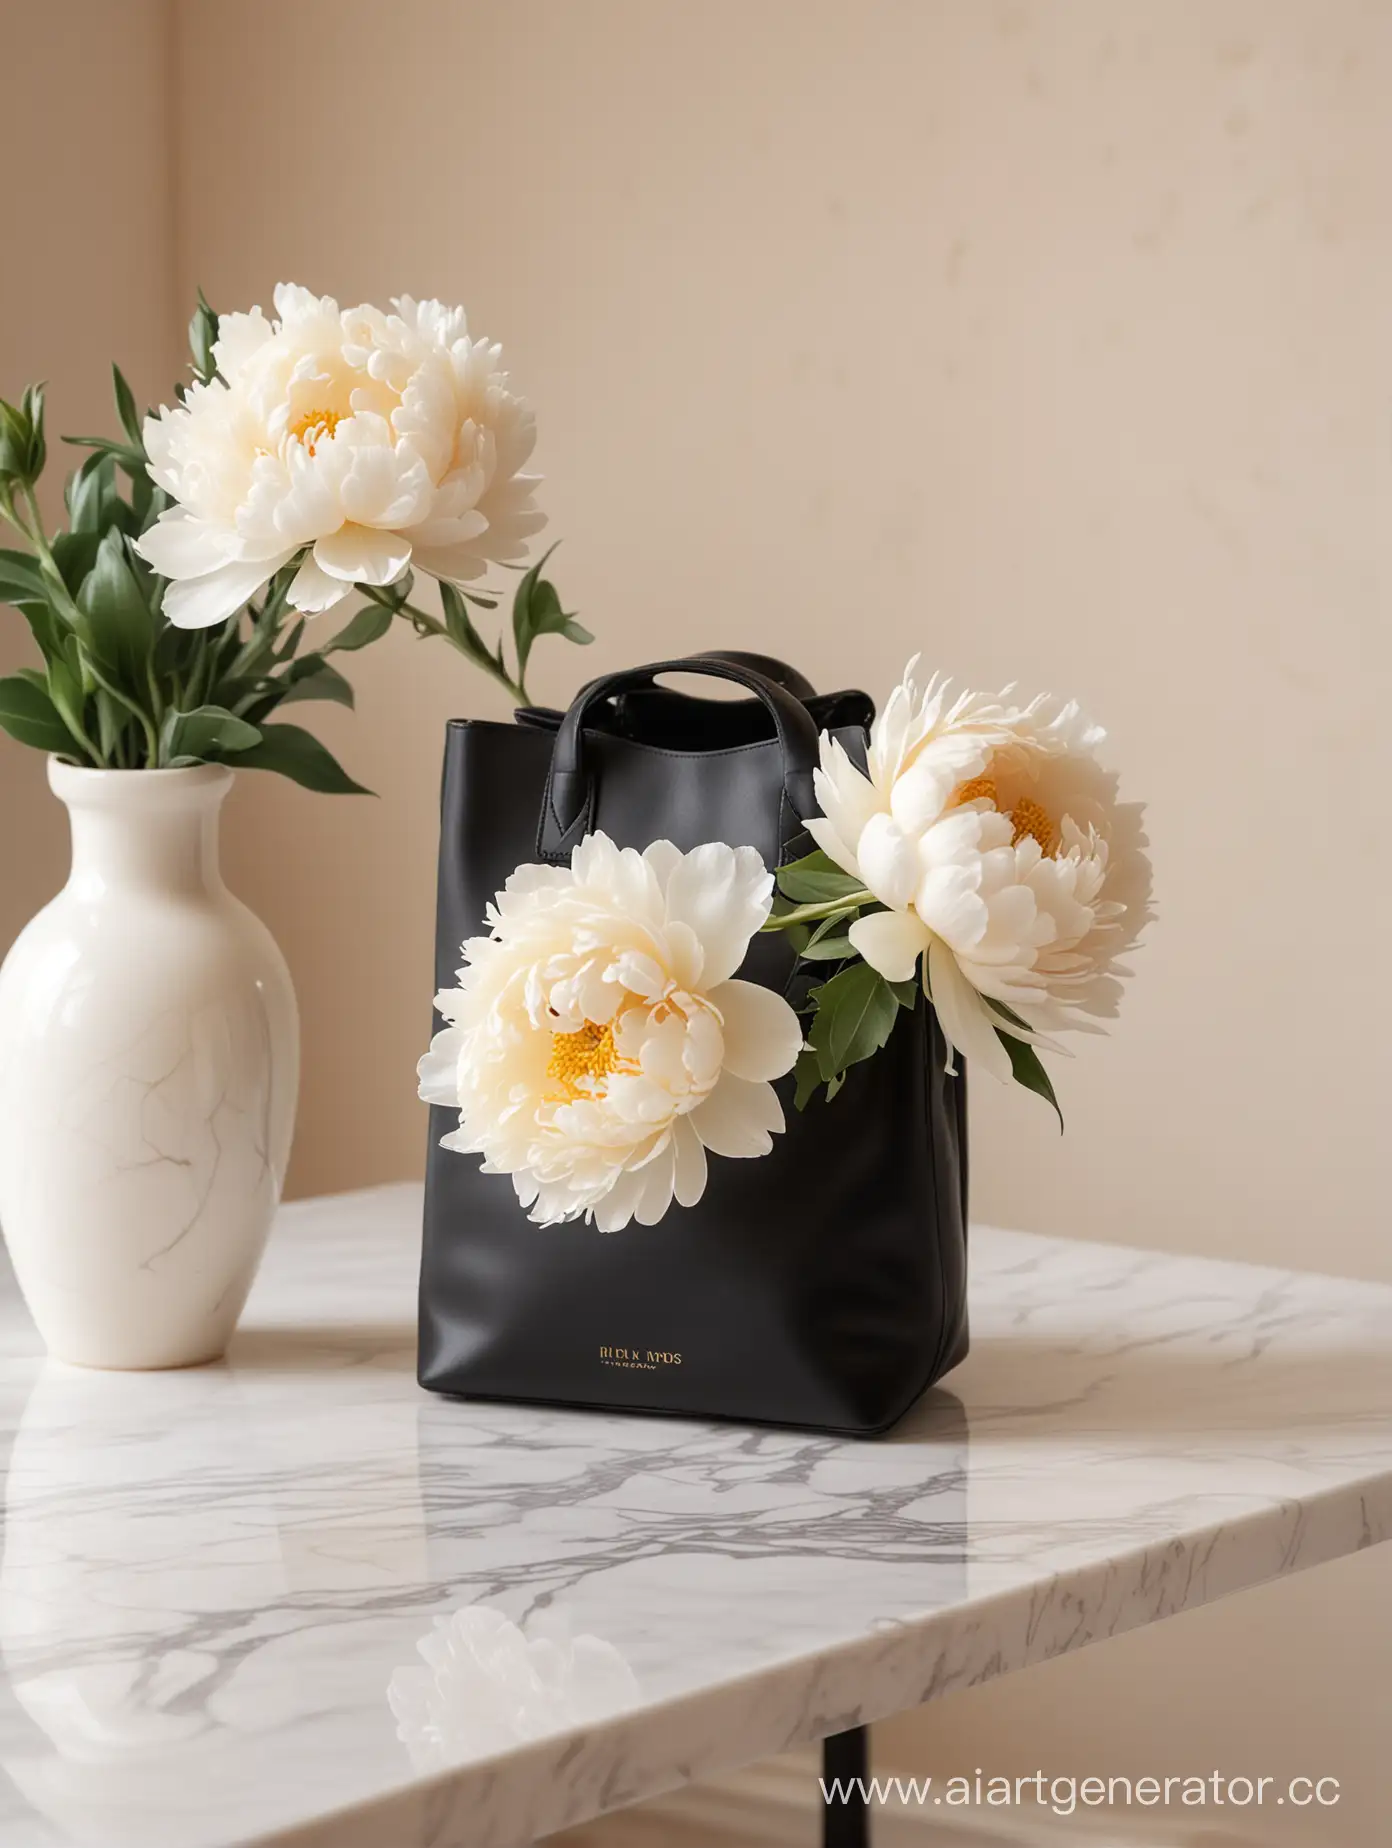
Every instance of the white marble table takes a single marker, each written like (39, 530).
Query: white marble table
(215, 1583)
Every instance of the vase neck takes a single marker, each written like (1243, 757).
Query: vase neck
(154, 831)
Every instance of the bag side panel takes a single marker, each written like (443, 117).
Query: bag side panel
(818, 1286)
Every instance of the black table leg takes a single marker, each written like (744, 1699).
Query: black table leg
(846, 1755)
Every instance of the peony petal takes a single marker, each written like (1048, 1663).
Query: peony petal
(724, 894)
(690, 1156)
(295, 303)
(312, 591)
(763, 1036)
(963, 1015)
(363, 555)
(703, 1049)
(848, 798)
(832, 845)
(595, 861)
(922, 792)
(197, 603)
(613, 1212)
(659, 1176)
(438, 1071)
(948, 901)
(739, 1118)
(239, 336)
(891, 942)
(660, 1052)
(179, 546)
(888, 862)
(664, 859)
(456, 564)
(684, 954)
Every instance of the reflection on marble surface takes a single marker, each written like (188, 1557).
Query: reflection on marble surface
(486, 1684)
(211, 1579)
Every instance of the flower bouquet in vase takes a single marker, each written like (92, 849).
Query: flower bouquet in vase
(148, 1028)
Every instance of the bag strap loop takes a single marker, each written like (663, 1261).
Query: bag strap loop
(567, 812)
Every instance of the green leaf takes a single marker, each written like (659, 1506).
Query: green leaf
(45, 627)
(143, 494)
(906, 993)
(575, 631)
(131, 460)
(856, 1010)
(544, 607)
(1006, 1013)
(397, 592)
(75, 554)
(204, 735)
(536, 610)
(298, 754)
(369, 625)
(92, 498)
(1026, 1069)
(14, 442)
(21, 581)
(312, 677)
(29, 714)
(38, 446)
(22, 585)
(816, 879)
(290, 642)
(112, 721)
(459, 626)
(65, 683)
(125, 408)
(831, 923)
(808, 1074)
(203, 333)
(119, 627)
(834, 948)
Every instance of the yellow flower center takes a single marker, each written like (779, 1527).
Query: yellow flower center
(1027, 817)
(979, 789)
(311, 426)
(590, 1053)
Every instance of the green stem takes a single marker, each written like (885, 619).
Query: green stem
(156, 704)
(124, 699)
(808, 914)
(75, 726)
(425, 624)
(37, 538)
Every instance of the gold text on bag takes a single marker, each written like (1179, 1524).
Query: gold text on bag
(646, 1360)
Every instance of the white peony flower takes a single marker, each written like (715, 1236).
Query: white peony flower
(1002, 853)
(599, 1043)
(378, 441)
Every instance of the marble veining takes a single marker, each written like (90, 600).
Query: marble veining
(292, 1599)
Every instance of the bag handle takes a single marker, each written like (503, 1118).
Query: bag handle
(568, 806)
(769, 666)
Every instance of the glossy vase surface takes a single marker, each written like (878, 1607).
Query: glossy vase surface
(149, 1064)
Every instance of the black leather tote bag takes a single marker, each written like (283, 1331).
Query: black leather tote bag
(822, 1285)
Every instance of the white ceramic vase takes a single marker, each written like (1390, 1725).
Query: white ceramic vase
(149, 1064)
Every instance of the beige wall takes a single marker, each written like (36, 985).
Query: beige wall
(86, 277)
(1053, 340)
